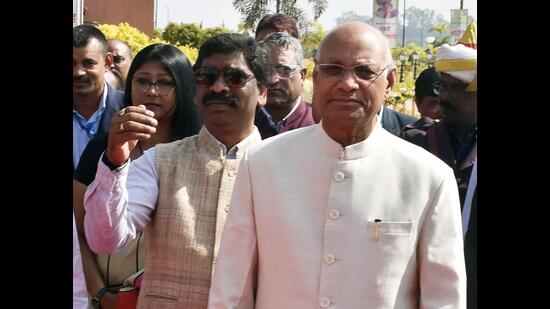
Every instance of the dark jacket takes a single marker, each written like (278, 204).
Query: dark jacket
(394, 121)
(114, 102)
(301, 117)
(435, 137)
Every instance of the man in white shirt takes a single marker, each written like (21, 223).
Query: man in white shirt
(94, 101)
(366, 221)
(179, 192)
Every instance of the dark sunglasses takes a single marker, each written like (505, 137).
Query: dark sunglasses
(234, 78)
(456, 90)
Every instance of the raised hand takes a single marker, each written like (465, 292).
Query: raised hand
(130, 125)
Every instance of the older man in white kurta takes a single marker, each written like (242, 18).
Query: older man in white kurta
(367, 221)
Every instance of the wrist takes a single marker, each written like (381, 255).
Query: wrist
(109, 164)
(96, 300)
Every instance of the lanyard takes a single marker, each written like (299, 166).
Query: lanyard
(88, 127)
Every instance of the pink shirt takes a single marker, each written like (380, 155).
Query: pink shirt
(80, 295)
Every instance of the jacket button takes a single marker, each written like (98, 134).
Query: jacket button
(339, 176)
(330, 259)
(324, 302)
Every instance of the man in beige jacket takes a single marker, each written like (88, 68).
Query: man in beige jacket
(367, 221)
(179, 192)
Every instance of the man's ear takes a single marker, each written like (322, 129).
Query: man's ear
(303, 74)
(108, 61)
(314, 75)
(392, 79)
(262, 95)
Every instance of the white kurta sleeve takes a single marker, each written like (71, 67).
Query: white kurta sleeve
(441, 250)
(235, 275)
(120, 203)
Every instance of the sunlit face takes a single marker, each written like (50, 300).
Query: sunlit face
(160, 99)
(121, 58)
(351, 102)
(230, 108)
(89, 65)
(282, 92)
(458, 106)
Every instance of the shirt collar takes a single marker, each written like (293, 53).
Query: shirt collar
(296, 103)
(355, 151)
(218, 148)
(102, 104)
(279, 125)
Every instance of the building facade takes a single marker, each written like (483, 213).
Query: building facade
(139, 14)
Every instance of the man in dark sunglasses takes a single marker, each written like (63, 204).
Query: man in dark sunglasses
(343, 214)
(179, 192)
(285, 109)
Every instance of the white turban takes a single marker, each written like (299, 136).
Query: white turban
(460, 62)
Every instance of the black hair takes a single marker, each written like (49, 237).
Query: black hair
(278, 23)
(82, 34)
(423, 86)
(227, 43)
(186, 121)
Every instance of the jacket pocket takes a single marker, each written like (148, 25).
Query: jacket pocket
(390, 228)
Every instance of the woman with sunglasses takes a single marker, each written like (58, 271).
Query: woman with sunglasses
(160, 79)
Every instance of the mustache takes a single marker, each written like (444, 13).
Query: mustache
(81, 79)
(445, 104)
(223, 97)
(274, 89)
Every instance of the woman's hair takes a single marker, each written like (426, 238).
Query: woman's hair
(186, 121)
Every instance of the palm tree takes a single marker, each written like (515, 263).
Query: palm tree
(254, 10)
(440, 28)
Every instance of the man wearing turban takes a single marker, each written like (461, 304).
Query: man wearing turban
(454, 140)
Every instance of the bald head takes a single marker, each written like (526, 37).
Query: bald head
(352, 78)
(355, 35)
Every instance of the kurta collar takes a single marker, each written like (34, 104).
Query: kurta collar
(330, 147)
(218, 149)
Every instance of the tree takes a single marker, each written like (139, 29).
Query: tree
(440, 28)
(184, 34)
(254, 10)
(208, 32)
(189, 34)
(312, 39)
(351, 16)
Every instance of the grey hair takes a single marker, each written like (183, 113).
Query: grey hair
(288, 42)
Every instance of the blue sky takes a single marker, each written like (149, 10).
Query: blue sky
(215, 12)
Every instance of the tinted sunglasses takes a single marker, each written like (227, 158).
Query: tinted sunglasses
(234, 78)
(336, 71)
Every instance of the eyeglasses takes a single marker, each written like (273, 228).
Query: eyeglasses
(363, 72)
(162, 86)
(455, 89)
(234, 78)
(285, 70)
